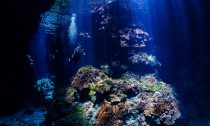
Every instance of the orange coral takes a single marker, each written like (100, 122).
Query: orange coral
(110, 115)
(155, 109)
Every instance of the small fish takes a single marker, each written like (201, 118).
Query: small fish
(30, 59)
(124, 67)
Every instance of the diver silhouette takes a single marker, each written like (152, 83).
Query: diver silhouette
(77, 54)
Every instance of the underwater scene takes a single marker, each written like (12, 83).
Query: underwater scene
(106, 63)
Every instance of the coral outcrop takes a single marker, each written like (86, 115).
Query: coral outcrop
(46, 87)
(86, 76)
(129, 100)
(111, 115)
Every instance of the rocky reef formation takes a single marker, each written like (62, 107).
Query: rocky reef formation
(96, 99)
(45, 86)
(23, 16)
(86, 76)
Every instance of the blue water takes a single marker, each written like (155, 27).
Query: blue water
(178, 38)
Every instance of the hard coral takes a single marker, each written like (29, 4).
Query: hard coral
(46, 87)
(126, 86)
(71, 94)
(130, 100)
(103, 88)
(86, 76)
(111, 115)
(90, 111)
(75, 118)
(161, 102)
(118, 97)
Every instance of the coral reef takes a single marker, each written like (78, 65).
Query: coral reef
(129, 100)
(111, 115)
(76, 117)
(157, 100)
(65, 110)
(145, 58)
(86, 76)
(136, 35)
(46, 87)
(71, 94)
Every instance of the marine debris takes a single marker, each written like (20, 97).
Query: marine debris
(129, 100)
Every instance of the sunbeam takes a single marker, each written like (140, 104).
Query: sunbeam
(72, 30)
(108, 63)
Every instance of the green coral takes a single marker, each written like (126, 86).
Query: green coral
(71, 94)
(92, 93)
(106, 88)
(106, 72)
(151, 89)
(76, 117)
(86, 69)
(105, 77)
(107, 81)
(118, 97)
(70, 91)
(94, 86)
(131, 80)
